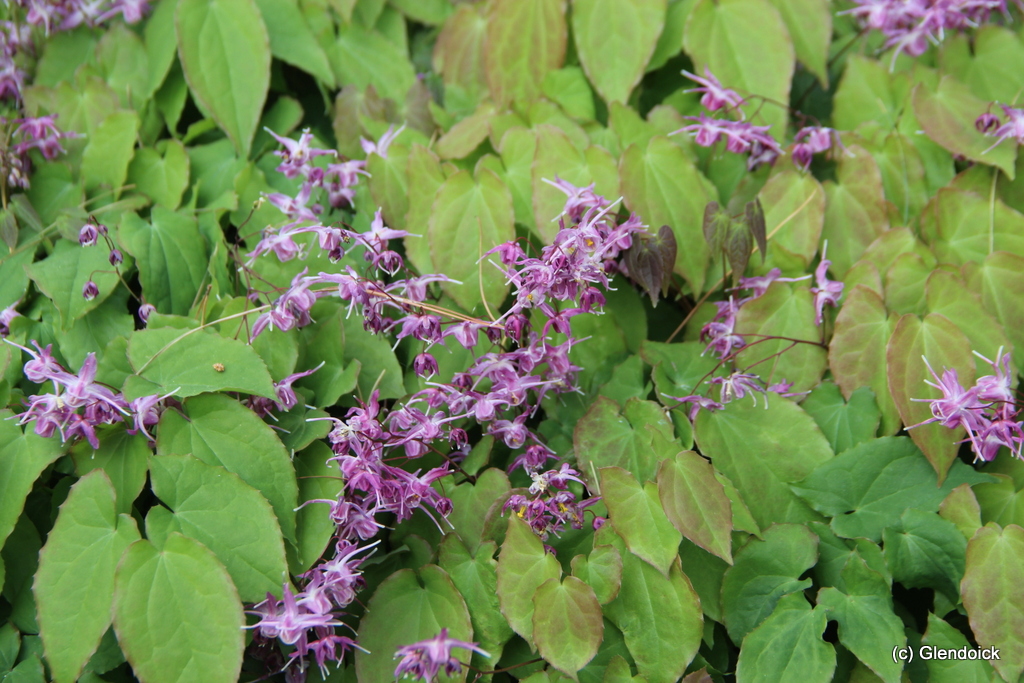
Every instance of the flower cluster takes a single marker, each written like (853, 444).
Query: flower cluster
(910, 25)
(79, 403)
(741, 137)
(424, 660)
(813, 140)
(987, 411)
(724, 341)
(500, 390)
(550, 507)
(64, 15)
(1013, 129)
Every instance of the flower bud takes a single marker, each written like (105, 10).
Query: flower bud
(116, 257)
(986, 123)
(146, 310)
(88, 235)
(425, 365)
(90, 291)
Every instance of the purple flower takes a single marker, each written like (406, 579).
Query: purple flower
(146, 310)
(1012, 129)
(425, 365)
(827, 291)
(88, 235)
(297, 155)
(987, 122)
(737, 385)
(716, 96)
(380, 148)
(698, 402)
(115, 257)
(6, 316)
(286, 398)
(741, 137)
(90, 291)
(424, 659)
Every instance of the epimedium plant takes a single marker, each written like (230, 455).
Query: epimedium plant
(351, 340)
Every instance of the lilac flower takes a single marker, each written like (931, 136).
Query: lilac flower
(741, 137)
(423, 660)
(288, 620)
(698, 403)
(41, 133)
(720, 332)
(759, 284)
(90, 291)
(827, 291)
(1012, 129)
(6, 316)
(380, 148)
(716, 96)
(146, 310)
(816, 139)
(286, 399)
(296, 156)
(580, 199)
(737, 385)
(115, 257)
(910, 25)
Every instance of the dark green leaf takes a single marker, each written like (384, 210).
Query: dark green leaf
(926, 551)
(868, 487)
(788, 646)
(763, 571)
(845, 424)
(198, 633)
(75, 583)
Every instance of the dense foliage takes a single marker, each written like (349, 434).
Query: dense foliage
(602, 340)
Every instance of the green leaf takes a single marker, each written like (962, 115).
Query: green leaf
(1000, 283)
(567, 623)
(75, 583)
(375, 353)
(947, 116)
(987, 62)
(992, 596)
(220, 431)
(185, 360)
(23, 457)
(746, 45)
(845, 424)
(855, 207)
(325, 343)
(109, 151)
(615, 60)
(123, 457)
(177, 615)
(313, 526)
(362, 57)
(232, 519)
(926, 551)
(1001, 502)
(292, 40)
(639, 518)
(661, 184)
(477, 581)
(810, 25)
(389, 186)
(62, 274)
(941, 635)
(660, 618)
(161, 176)
(471, 502)
(783, 311)
(523, 565)
(696, 503)
(762, 451)
(949, 296)
(225, 53)
(868, 487)
(124, 64)
(868, 627)
(406, 608)
(601, 570)
(161, 45)
(788, 646)
(678, 368)
(471, 217)
(763, 571)
(795, 212)
(857, 351)
(431, 12)
(970, 227)
(568, 88)
(609, 437)
(961, 508)
(524, 40)
(171, 255)
(944, 346)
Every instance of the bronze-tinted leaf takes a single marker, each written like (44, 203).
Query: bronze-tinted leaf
(755, 221)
